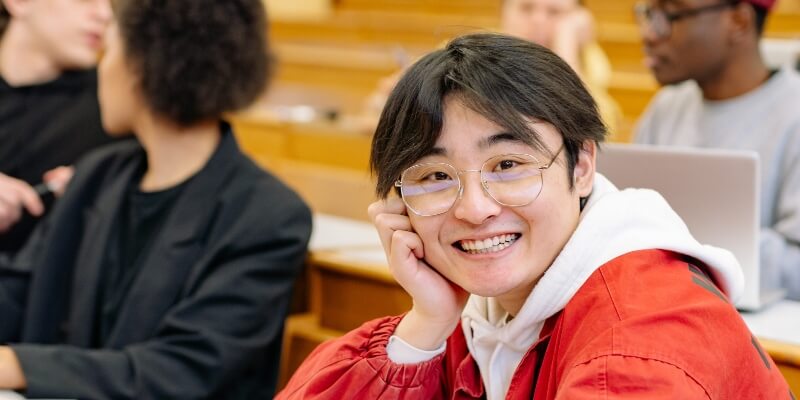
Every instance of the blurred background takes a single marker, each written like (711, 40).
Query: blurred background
(335, 54)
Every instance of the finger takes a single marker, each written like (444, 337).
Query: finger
(387, 225)
(27, 196)
(392, 205)
(407, 244)
(10, 212)
(387, 217)
(392, 222)
(404, 263)
(58, 178)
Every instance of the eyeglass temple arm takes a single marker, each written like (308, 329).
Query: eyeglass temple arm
(552, 160)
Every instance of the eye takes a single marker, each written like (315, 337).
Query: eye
(426, 174)
(439, 176)
(553, 12)
(506, 164)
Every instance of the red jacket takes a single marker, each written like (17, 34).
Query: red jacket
(646, 325)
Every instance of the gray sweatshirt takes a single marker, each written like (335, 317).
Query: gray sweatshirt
(765, 120)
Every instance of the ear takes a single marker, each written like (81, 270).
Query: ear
(17, 8)
(742, 23)
(585, 167)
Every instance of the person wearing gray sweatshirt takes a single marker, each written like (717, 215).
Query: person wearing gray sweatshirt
(720, 94)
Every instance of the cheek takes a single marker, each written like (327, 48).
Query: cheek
(114, 103)
(554, 218)
(427, 228)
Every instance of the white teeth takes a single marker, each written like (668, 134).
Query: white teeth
(489, 245)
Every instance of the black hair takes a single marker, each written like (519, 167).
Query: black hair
(196, 59)
(5, 18)
(761, 18)
(508, 81)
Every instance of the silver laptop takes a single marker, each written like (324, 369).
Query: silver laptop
(716, 192)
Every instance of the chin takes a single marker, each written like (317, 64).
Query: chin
(487, 286)
(114, 128)
(665, 79)
(82, 60)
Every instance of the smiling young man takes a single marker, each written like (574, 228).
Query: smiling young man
(532, 276)
(720, 94)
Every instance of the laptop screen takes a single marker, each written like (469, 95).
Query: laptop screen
(715, 192)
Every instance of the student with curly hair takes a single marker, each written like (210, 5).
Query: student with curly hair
(165, 270)
(49, 114)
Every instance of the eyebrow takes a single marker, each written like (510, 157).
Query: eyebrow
(677, 3)
(501, 137)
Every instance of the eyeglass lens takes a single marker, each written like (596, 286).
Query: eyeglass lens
(511, 180)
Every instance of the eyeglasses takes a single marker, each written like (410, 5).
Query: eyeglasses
(512, 180)
(660, 22)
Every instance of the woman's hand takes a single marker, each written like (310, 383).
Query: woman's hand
(438, 303)
(578, 23)
(58, 178)
(16, 195)
(574, 30)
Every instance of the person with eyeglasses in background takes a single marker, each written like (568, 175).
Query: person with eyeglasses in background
(165, 270)
(567, 28)
(564, 26)
(49, 115)
(531, 275)
(719, 93)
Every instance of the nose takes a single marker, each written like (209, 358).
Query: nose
(648, 34)
(474, 205)
(103, 11)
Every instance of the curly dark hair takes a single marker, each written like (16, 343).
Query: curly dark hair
(196, 59)
(4, 18)
(507, 80)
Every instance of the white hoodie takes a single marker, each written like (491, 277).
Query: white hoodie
(613, 223)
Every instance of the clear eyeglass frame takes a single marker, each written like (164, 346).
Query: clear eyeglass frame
(489, 186)
(660, 22)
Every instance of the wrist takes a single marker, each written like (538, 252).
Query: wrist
(423, 332)
(11, 375)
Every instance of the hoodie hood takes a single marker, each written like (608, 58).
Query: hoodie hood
(612, 223)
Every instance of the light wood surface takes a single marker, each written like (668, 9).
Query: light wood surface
(316, 142)
(787, 357)
(347, 290)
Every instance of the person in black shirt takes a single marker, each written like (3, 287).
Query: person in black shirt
(49, 114)
(165, 269)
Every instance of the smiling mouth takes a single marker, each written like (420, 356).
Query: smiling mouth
(489, 245)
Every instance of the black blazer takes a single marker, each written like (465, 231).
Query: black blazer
(204, 316)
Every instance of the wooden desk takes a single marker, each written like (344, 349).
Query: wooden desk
(337, 234)
(351, 287)
(350, 284)
(459, 7)
(410, 30)
(318, 142)
(778, 330)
